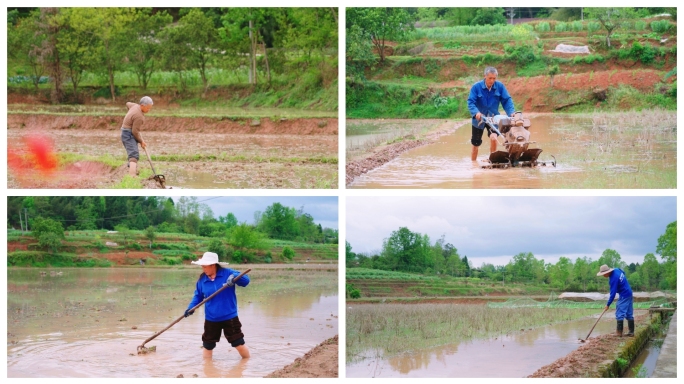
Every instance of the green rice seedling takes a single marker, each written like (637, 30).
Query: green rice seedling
(391, 329)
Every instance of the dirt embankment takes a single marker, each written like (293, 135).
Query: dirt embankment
(537, 94)
(383, 154)
(296, 126)
(321, 361)
(587, 360)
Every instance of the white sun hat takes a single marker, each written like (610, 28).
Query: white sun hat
(209, 258)
(604, 270)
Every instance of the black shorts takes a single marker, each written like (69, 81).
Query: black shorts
(231, 328)
(476, 138)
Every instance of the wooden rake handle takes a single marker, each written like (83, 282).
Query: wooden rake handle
(597, 320)
(235, 280)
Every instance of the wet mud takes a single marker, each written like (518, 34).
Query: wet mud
(322, 361)
(514, 355)
(585, 159)
(228, 160)
(89, 322)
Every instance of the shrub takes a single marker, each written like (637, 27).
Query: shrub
(521, 54)
(352, 292)
(577, 26)
(135, 246)
(268, 258)
(288, 253)
(660, 26)
(640, 25)
(561, 27)
(543, 27)
(593, 26)
(216, 246)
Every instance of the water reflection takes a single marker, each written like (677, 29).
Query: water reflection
(88, 322)
(515, 355)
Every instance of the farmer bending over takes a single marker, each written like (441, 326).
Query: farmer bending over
(624, 308)
(483, 101)
(220, 313)
(130, 131)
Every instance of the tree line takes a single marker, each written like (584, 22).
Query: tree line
(187, 215)
(62, 44)
(408, 251)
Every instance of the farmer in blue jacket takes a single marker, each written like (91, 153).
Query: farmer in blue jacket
(624, 307)
(483, 101)
(220, 313)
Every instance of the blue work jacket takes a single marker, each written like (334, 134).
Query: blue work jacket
(618, 284)
(224, 305)
(487, 101)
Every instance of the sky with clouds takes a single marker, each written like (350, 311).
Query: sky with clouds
(493, 229)
(322, 208)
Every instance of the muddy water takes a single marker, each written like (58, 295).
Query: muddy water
(515, 355)
(648, 357)
(447, 164)
(81, 324)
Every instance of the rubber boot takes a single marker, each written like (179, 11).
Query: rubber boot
(620, 327)
(630, 325)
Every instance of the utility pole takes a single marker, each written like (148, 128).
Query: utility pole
(582, 13)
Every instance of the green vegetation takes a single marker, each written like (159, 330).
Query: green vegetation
(408, 78)
(411, 265)
(389, 329)
(279, 57)
(44, 259)
(169, 232)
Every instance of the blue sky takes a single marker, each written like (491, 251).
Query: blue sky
(493, 229)
(322, 208)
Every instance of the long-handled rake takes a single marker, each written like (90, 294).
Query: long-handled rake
(592, 328)
(144, 350)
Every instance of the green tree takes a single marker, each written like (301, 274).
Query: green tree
(489, 16)
(405, 251)
(611, 19)
(125, 233)
(667, 249)
(77, 42)
(553, 71)
(582, 273)
(561, 273)
(142, 50)
(245, 237)
(649, 272)
(350, 257)
(150, 234)
(381, 25)
(279, 222)
(48, 232)
(217, 246)
(202, 40)
(611, 258)
(112, 30)
(24, 42)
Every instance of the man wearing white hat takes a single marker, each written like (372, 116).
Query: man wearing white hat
(624, 308)
(220, 313)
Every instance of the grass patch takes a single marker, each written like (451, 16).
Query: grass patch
(44, 259)
(245, 159)
(391, 329)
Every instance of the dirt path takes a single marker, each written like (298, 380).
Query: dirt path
(383, 154)
(321, 361)
(586, 360)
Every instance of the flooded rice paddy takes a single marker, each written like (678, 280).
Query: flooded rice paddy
(88, 322)
(517, 354)
(628, 150)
